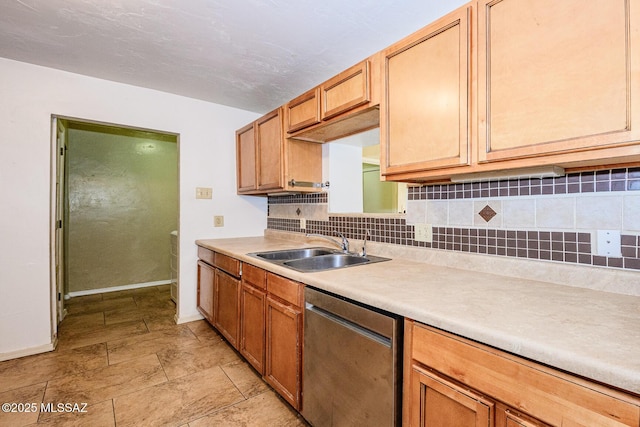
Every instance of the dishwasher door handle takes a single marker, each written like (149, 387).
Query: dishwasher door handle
(381, 339)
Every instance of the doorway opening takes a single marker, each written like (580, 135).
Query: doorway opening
(115, 210)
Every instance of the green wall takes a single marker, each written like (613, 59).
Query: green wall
(122, 191)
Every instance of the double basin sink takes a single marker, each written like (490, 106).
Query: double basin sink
(315, 259)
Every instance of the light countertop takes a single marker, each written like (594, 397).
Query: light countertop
(587, 332)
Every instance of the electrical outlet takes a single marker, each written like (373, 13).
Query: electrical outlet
(204, 192)
(423, 233)
(303, 223)
(218, 221)
(608, 243)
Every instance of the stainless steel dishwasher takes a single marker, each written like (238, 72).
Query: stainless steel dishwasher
(352, 363)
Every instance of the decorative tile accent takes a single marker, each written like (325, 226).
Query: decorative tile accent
(584, 182)
(298, 198)
(559, 246)
(503, 224)
(487, 213)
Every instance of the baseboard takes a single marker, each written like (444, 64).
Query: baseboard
(28, 351)
(116, 288)
(186, 319)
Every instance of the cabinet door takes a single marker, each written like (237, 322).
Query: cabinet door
(554, 77)
(425, 106)
(345, 91)
(252, 308)
(206, 280)
(303, 111)
(506, 417)
(270, 141)
(227, 306)
(246, 158)
(284, 347)
(436, 401)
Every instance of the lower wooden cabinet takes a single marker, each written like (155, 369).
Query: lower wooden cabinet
(283, 370)
(284, 350)
(508, 417)
(227, 306)
(259, 314)
(452, 381)
(253, 297)
(206, 283)
(439, 402)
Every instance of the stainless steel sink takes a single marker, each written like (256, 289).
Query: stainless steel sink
(315, 259)
(326, 262)
(288, 254)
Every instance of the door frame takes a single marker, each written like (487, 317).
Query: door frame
(57, 239)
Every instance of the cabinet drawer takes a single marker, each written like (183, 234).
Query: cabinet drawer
(207, 255)
(285, 289)
(303, 111)
(551, 396)
(254, 276)
(345, 91)
(228, 264)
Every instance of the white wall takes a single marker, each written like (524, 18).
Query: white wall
(29, 96)
(345, 176)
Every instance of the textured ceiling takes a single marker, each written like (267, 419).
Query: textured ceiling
(250, 54)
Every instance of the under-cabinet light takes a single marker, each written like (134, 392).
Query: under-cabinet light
(522, 173)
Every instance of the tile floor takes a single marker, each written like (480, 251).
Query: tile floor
(122, 355)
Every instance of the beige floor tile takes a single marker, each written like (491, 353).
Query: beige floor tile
(164, 288)
(106, 383)
(75, 339)
(158, 322)
(129, 314)
(179, 361)
(101, 305)
(83, 299)
(96, 415)
(177, 401)
(204, 331)
(122, 315)
(154, 302)
(47, 366)
(167, 373)
(27, 402)
(150, 290)
(245, 378)
(82, 322)
(263, 410)
(151, 343)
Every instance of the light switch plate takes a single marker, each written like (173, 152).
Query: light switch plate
(204, 192)
(423, 233)
(218, 221)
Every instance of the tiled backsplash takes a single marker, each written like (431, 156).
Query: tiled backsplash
(550, 219)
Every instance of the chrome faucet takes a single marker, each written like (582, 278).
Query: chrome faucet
(367, 233)
(344, 245)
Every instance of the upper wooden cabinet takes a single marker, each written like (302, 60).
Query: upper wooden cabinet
(267, 162)
(246, 156)
(425, 108)
(507, 84)
(303, 111)
(343, 105)
(270, 155)
(556, 77)
(345, 91)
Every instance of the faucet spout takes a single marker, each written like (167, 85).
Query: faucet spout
(344, 245)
